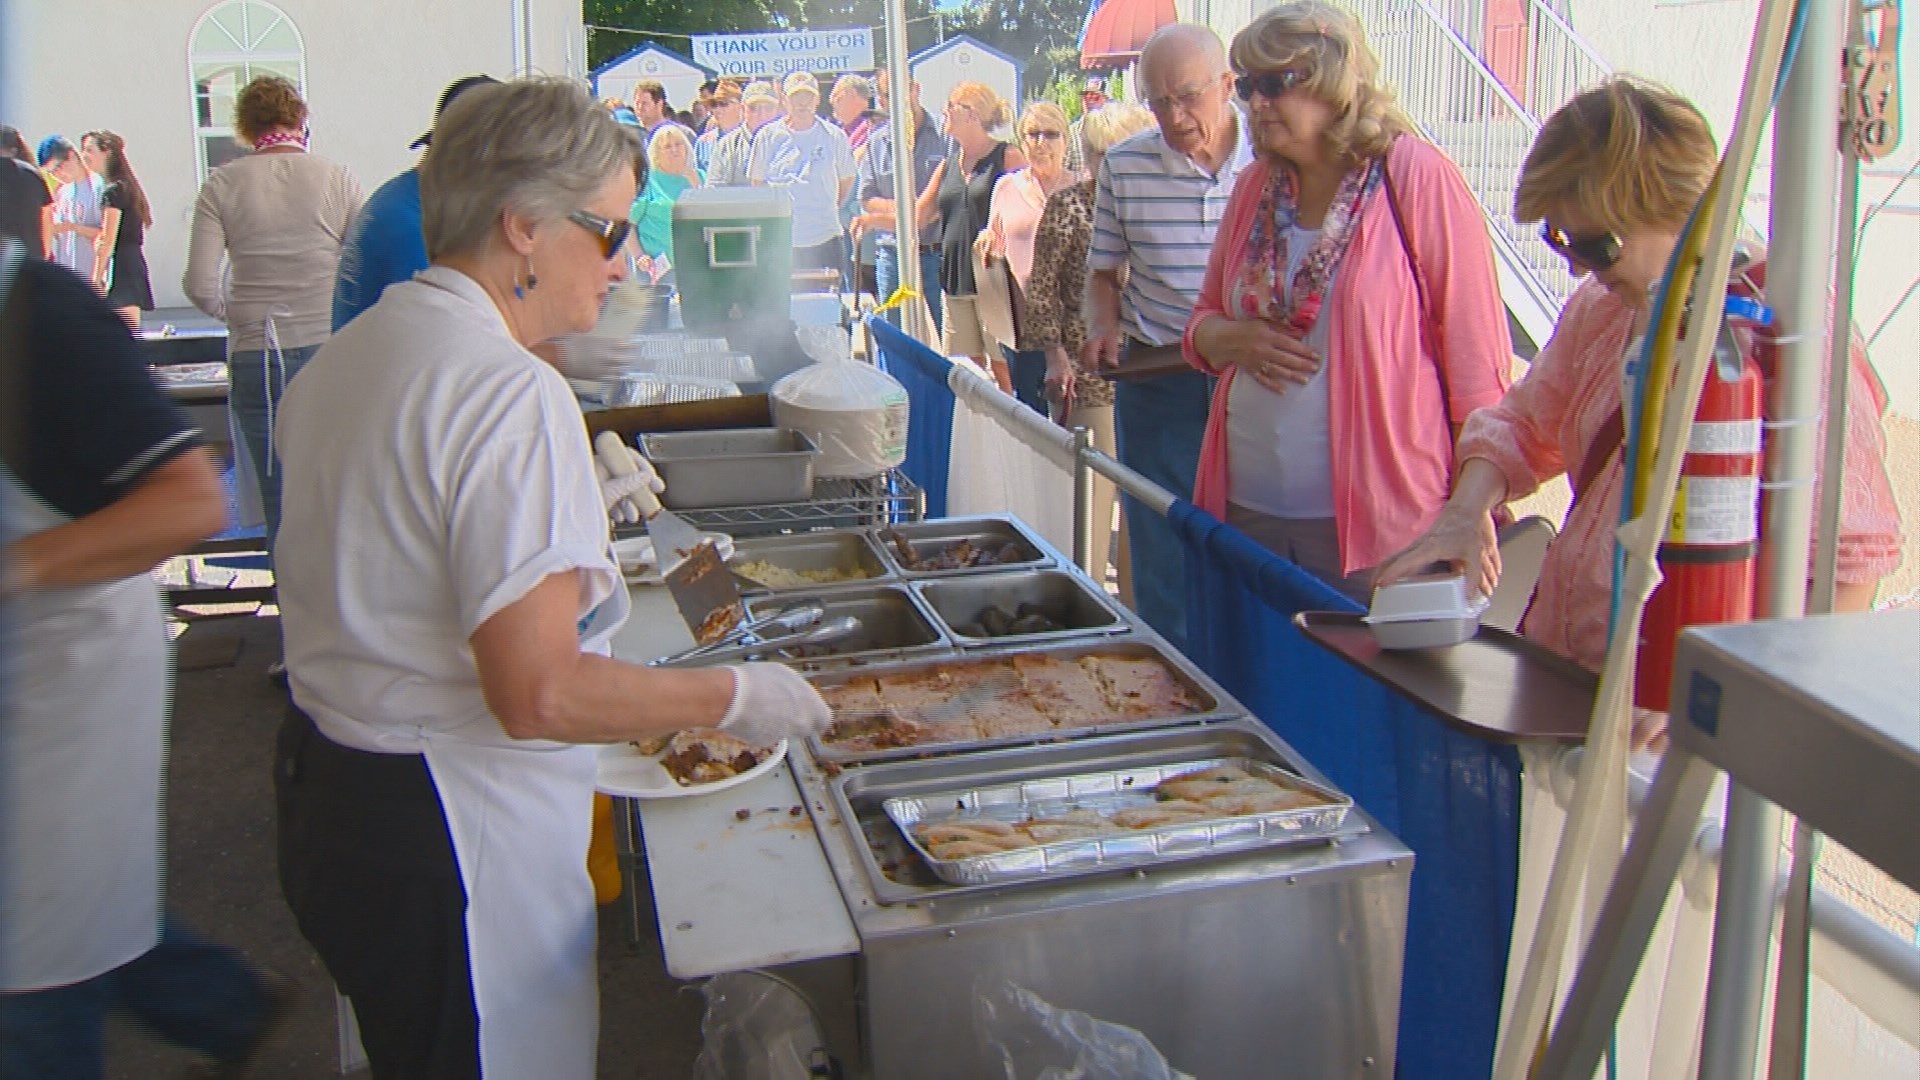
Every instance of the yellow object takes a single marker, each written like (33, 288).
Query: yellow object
(900, 296)
(603, 856)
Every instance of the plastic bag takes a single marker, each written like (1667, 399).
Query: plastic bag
(755, 1029)
(1037, 1041)
(854, 412)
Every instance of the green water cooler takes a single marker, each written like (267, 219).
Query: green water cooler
(733, 256)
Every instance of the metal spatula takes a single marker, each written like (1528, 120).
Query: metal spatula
(696, 577)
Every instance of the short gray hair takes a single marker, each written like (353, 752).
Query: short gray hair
(539, 147)
(858, 85)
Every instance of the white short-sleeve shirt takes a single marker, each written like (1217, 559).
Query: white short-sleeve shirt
(810, 164)
(434, 471)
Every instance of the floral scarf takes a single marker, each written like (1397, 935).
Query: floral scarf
(1259, 289)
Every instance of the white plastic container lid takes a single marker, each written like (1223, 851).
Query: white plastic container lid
(705, 204)
(1427, 596)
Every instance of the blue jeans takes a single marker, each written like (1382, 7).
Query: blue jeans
(250, 384)
(1158, 424)
(188, 991)
(886, 277)
(1029, 372)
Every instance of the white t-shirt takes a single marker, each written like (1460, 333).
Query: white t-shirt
(434, 472)
(1278, 445)
(810, 164)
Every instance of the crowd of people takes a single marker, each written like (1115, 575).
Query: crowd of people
(1264, 291)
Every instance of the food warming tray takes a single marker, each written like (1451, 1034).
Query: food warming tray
(899, 871)
(929, 538)
(891, 624)
(732, 467)
(849, 551)
(1061, 596)
(1214, 703)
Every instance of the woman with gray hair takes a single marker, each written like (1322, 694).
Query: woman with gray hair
(448, 597)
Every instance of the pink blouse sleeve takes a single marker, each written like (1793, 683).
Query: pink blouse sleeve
(1229, 245)
(1520, 434)
(1870, 526)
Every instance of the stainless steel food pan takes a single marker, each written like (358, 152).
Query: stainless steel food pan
(929, 538)
(891, 624)
(732, 467)
(962, 603)
(848, 552)
(1214, 703)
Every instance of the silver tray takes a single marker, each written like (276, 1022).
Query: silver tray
(930, 537)
(732, 466)
(1066, 598)
(838, 549)
(1107, 793)
(892, 624)
(1215, 702)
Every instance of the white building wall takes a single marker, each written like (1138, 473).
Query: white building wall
(374, 73)
(949, 66)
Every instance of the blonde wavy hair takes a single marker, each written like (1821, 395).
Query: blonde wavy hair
(1329, 45)
(668, 133)
(991, 109)
(1627, 153)
(1106, 126)
(1045, 112)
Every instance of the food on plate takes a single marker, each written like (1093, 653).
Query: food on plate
(652, 744)
(1000, 698)
(702, 756)
(958, 555)
(781, 577)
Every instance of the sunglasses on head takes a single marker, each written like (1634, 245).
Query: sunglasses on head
(1597, 252)
(612, 234)
(1268, 84)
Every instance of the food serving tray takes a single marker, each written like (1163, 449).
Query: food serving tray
(1107, 793)
(892, 625)
(1072, 604)
(1212, 703)
(929, 538)
(848, 552)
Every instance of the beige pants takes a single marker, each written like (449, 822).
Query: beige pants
(1313, 544)
(1109, 543)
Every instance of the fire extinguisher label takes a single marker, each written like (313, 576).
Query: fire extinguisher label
(1715, 510)
(1724, 437)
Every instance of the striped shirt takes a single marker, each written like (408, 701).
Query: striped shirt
(1156, 212)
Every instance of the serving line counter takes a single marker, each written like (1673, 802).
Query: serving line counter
(1265, 946)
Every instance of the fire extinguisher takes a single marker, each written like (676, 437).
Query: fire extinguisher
(1710, 556)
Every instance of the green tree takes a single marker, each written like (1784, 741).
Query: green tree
(669, 23)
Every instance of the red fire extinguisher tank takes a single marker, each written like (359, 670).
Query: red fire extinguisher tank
(1711, 552)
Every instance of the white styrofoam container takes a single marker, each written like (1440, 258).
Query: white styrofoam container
(1426, 612)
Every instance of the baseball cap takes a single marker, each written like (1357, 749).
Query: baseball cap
(759, 92)
(801, 82)
(454, 89)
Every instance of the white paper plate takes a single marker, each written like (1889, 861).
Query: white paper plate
(635, 556)
(624, 770)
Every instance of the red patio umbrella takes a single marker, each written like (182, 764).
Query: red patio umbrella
(1120, 28)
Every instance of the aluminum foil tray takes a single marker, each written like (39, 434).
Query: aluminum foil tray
(1107, 793)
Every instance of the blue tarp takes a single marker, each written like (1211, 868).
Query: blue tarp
(930, 420)
(1454, 799)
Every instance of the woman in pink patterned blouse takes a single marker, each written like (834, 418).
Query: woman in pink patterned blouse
(1614, 174)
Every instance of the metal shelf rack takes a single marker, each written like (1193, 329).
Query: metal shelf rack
(888, 499)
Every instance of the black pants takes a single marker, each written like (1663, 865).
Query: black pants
(368, 867)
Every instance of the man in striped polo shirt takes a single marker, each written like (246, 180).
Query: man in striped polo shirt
(1158, 202)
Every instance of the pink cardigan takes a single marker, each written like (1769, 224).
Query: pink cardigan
(1392, 449)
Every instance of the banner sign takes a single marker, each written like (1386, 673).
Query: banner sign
(772, 56)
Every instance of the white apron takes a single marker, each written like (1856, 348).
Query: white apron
(81, 745)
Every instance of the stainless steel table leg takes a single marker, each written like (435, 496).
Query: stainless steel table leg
(626, 830)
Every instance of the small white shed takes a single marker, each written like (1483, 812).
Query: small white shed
(962, 59)
(681, 76)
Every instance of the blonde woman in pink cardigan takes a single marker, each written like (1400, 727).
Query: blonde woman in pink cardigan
(1350, 310)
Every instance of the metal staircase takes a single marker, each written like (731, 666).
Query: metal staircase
(1484, 123)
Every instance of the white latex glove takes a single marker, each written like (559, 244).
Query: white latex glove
(590, 356)
(616, 494)
(770, 703)
(614, 459)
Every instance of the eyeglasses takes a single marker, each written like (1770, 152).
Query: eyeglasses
(1597, 252)
(612, 234)
(1188, 100)
(1268, 84)
(1043, 135)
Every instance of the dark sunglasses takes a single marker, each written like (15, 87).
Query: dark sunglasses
(612, 234)
(1043, 135)
(1593, 252)
(1268, 84)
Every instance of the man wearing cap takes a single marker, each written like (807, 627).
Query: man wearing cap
(384, 244)
(929, 148)
(814, 163)
(1092, 97)
(732, 153)
(725, 114)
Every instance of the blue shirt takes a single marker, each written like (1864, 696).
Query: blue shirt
(384, 246)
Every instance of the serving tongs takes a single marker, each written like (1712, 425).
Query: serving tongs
(791, 627)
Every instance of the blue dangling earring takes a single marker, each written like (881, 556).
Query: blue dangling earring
(519, 292)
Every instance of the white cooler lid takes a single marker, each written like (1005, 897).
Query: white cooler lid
(706, 204)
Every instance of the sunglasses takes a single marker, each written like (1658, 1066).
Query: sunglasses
(1593, 252)
(1042, 135)
(612, 234)
(1268, 84)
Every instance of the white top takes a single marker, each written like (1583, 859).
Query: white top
(1156, 212)
(1278, 447)
(278, 220)
(436, 473)
(810, 164)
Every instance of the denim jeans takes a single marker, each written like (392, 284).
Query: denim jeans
(1158, 424)
(1029, 372)
(191, 992)
(886, 275)
(253, 393)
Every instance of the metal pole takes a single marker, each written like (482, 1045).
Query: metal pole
(1083, 505)
(1797, 279)
(901, 122)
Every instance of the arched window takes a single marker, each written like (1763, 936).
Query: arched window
(233, 42)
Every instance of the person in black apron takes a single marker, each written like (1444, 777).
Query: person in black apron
(974, 113)
(101, 478)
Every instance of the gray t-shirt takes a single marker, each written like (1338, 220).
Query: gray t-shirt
(810, 163)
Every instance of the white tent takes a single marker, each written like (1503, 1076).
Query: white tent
(681, 76)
